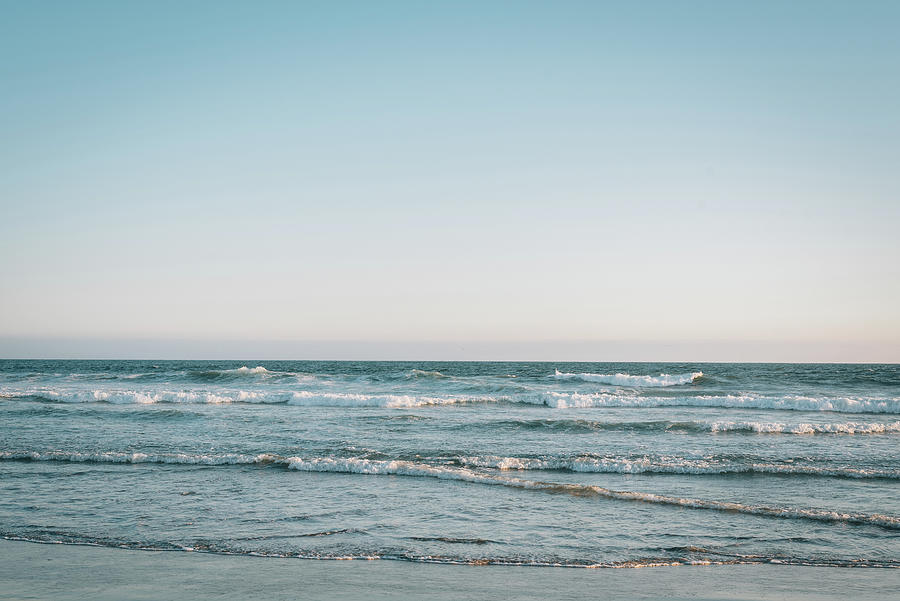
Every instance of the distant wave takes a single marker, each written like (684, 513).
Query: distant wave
(568, 400)
(553, 399)
(226, 374)
(586, 426)
(338, 399)
(463, 474)
(257, 375)
(629, 380)
(238, 371)
(805, 429)
(148, 397)
(421, 373)
(220, 397)
(244, 370)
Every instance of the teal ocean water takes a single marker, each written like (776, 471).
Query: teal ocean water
(542, 464)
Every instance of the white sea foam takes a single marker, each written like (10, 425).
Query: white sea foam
(421, 373)
(409, 468)
(125, 397)
(554, 399)
(567, 400)
(224, 396)
(667, 465)
(346, 399)
(629, 380)
(244, 370)
(806, 428)
(378, 555)
(670, 465)
(121, 457)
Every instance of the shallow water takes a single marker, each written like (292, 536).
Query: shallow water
(540, 464)
(76, 573)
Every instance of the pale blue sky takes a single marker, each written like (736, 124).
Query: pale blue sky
(544, 180)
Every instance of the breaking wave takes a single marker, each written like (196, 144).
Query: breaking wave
(338, 399)
(244, 370)
(120, 457)
(464, 474)
(149, 397)
(568, 400)
(668, 465)
(586, 426)
(805, 429)
(329, 396)
(585, 464)
(422, 373)
(408, 468)
(229, 374)
(629, 380)
(223, 396)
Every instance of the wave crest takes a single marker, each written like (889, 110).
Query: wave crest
(408, 468)
(395, 401)
(572, 400)
(629, 380)
(297, 397)
(259, 369)
(667, 465)
(463, 474)
(804, 428)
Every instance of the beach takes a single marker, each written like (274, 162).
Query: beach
(66, 572)
(150, 479)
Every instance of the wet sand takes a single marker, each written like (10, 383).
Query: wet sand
(53, 571)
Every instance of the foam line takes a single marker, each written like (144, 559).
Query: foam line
(413, 469)
(407, 468)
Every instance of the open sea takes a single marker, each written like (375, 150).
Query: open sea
(538, 464)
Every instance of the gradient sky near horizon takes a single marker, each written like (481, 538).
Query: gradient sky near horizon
(461, 173)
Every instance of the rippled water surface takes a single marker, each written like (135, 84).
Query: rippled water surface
(580, 464)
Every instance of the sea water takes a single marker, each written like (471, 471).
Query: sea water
(539, 464)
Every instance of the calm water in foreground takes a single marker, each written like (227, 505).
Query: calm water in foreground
(540, 464)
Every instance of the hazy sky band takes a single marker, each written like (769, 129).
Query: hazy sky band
(476, 173)
(616, 351)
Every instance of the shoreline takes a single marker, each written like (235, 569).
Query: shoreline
(32, 570)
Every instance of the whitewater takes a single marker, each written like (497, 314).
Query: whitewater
(539, 464)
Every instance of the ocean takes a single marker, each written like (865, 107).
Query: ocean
(485, 463)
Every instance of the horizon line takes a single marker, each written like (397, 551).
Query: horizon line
(246, 360)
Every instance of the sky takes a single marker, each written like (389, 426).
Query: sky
(450, 180)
